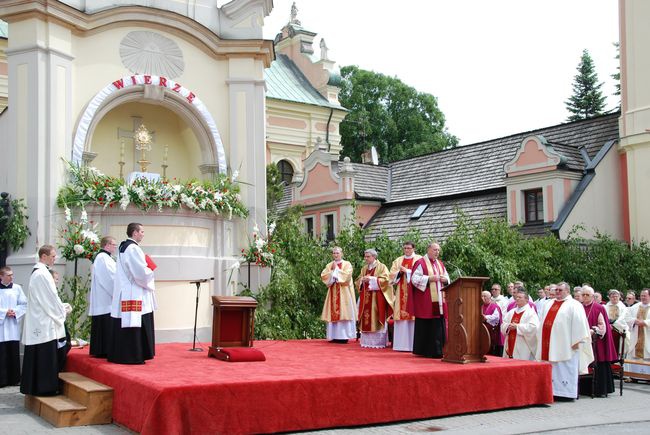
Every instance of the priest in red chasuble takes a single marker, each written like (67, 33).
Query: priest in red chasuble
(427, 305)
(564, 340)
(375, 301)
(400, 277)
(339, 310)
(520, 329)
(602, 343)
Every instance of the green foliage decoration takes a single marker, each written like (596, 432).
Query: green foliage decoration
(16, 230)
(74, 290)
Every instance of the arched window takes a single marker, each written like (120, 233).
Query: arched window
(286, 171)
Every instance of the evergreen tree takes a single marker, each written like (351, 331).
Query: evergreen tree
(587, 100)
(617, 75)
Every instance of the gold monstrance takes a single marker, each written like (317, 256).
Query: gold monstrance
(142, 139)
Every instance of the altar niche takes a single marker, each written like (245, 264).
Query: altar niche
(175, 151)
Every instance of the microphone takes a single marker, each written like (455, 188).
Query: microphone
(198, 281)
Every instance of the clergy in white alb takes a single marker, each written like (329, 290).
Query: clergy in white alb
(101, 297)
(13, 305)
(520, 330)
(339, 309)
(43, 330)
(400, 278)
(638, 321)
(133, 303)
(616, 313)
(564, 340)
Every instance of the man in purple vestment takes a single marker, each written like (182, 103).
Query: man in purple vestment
(492, 317)
(603, 345)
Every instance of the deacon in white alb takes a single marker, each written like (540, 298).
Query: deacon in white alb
(13, 305)
(101, 297)
(133, 303)
(564, 340)
(520, 330)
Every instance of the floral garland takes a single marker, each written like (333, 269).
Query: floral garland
(79, 238)
(87, 185)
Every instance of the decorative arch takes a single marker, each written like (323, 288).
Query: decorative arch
(130, 88)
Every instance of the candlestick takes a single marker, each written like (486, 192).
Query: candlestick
(164, 168)
(165, 155)
(122, 150)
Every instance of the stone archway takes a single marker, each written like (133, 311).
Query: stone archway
(160, 91)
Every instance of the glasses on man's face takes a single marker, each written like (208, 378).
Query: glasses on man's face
(496, 289)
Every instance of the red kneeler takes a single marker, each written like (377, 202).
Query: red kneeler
(233, 322)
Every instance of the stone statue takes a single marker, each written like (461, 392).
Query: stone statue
(323, 49)
(294, 14)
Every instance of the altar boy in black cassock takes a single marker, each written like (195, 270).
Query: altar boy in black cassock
(133, 303)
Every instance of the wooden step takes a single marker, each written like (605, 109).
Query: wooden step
(96, 397)
(58, 410)
(83, 402)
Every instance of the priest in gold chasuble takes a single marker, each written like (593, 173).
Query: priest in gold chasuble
(375, 301)
(339, 310)
(400, 277)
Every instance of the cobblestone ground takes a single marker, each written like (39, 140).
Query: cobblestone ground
(582, 416)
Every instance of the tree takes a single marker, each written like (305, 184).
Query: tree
(587, 100)
(617, 75)
(391, 116)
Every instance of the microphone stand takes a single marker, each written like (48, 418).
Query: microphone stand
(196, 310)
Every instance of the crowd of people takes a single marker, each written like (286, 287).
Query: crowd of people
(578, 334)
(121, 309)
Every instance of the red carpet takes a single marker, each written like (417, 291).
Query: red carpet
(305, 384)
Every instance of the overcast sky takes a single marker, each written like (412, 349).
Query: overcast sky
(497, 67)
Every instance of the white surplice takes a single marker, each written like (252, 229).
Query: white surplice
(45, 315)
(12, 299)
(631, 316)
(102, 284)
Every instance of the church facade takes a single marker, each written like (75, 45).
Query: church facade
(84, 76)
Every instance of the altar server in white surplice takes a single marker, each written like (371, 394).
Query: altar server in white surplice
(638, 321)
(43, 330)
(101, 297)
(564, 339)
(133, 303)
(13, 305)
(519, 327)
(400, 277)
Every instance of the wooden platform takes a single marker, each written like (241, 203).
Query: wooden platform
(83, 402)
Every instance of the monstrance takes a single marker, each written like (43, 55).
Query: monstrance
(143, 139)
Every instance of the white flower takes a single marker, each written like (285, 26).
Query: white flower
(109, 195)
(90, 192)
(235, 174)
(256, 229)
(84, 217)
(68, 214)
(259, 243)
(124, 197)
(78, 249)
(87, 234)
(234, 266)
(271, 228)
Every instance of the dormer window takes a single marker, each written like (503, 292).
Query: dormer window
(534, 205)
(419, 211)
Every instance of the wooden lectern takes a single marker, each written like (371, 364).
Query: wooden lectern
(233, 322)
(468, 339)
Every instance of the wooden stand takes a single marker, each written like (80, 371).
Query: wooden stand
(468, 338)
(233, 322)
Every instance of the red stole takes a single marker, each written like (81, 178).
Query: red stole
(548, 325)
(512, 334)
(365, 304)
(404, 287)
(335, 300)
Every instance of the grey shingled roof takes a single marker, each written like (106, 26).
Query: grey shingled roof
(439, 219)
(285, 81)
(477, 167)
(370, 181)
